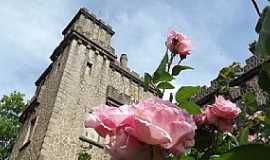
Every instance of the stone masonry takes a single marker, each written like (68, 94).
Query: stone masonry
(84, 73)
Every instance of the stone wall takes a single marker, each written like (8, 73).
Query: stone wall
(41, 108)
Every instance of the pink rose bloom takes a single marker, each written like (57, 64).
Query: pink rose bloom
(222, 113)
(130, 129)
(105, 120)
(108, 123)
(162, 123)
(200, 119)
(178, 43)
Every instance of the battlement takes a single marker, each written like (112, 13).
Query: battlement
(91, 27)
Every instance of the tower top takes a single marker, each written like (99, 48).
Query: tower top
(91, 27)
(85, 12)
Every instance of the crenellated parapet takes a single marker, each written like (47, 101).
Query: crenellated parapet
(92, 28)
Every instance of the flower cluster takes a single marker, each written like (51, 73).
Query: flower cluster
(221, 114)
(131, 130)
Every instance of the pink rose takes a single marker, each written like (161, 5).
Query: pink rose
(159, 122)
(105, 120)
(108, 123)
(131, 129)
(222, 113)
(178, 43)
(200, 119)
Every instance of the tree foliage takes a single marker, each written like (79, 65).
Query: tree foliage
(11, 106)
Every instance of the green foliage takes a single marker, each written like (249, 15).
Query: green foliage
(247, 152)
(159, 75)
(178, 68)
(83, 155)
(163, 64)
(165, 85)
(187, 157)
(186, 92)
(264, 77)
(225, 75)
(162, 76)
(190, 107)
(228, 72)
(263, 28)
(243, 139)
(11, 107)
(259, 25)
(183, 96)
(250, 101)
(263, 46)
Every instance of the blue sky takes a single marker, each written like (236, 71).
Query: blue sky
(220, 31)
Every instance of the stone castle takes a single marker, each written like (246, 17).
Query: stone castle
(84, 73)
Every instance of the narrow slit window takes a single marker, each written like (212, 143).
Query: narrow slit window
(88, 69)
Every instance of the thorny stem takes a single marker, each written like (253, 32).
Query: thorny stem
(256, 7)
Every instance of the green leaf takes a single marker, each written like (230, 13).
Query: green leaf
(250, 101)
(178, 68)
(266, 20)
(259, 25)
(247, 152)
(243, 139)
(163, 64)
(165, 85)
(162, 76)
(186, 92)
(263, 46)
(165, 76)
(264, 77)
(147, 80)
(161, 68)
(190, 107)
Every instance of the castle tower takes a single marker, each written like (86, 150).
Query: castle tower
(84, 73)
